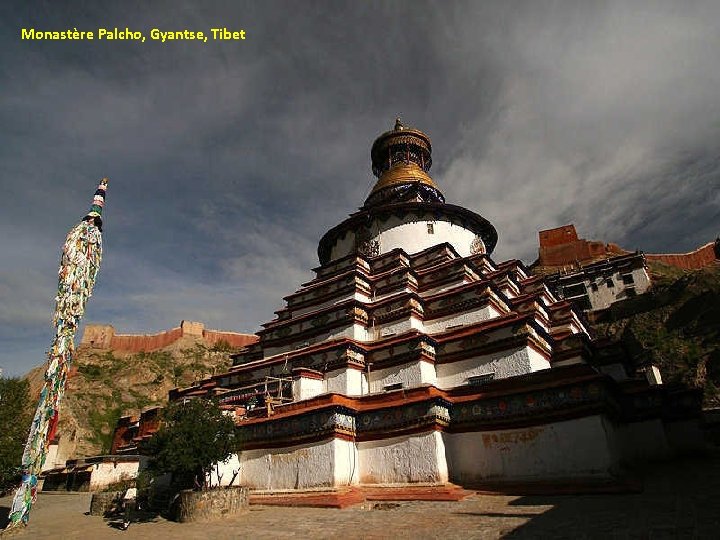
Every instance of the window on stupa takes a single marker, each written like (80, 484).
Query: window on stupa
(480, 379)
(431, 228)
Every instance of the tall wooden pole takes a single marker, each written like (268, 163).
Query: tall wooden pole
(79, 265)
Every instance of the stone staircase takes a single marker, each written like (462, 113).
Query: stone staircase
(353, 495)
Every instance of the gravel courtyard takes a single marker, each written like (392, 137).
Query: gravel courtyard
(679, 500)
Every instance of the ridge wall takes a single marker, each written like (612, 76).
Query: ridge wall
(562, 247)
(103, 336)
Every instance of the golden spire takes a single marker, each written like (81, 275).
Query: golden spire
(401, 156)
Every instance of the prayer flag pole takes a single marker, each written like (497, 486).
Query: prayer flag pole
(79, 265)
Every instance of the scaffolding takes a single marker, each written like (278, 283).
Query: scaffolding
(271, 401)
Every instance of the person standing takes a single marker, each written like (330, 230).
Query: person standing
(129, 502)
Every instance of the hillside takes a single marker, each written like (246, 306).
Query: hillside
(109, 384)
(676, 326)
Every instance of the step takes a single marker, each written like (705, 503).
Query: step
(348, 496)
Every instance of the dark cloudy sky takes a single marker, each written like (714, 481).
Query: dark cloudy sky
(229, 160)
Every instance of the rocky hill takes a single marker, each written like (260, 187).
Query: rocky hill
(108, 384)
(675, 326)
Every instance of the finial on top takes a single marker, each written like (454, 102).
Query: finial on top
(96, 208)
(398, 124)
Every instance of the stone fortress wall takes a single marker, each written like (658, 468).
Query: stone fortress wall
(561, 247)
(700, 258)
(103, 336)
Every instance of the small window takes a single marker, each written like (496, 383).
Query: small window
(393, 386)
(594, 287)
(431, 228)
(610, 283)
(577, 289)
(628, 279)
(478, 380)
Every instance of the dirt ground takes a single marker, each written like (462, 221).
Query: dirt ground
(680, 500)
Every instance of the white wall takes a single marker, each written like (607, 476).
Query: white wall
(410, 375)
(346, 462)
(107, 473)
(411, 236)
(356, 331)
(503, 363)
(403, 460)
(293, 467)
(441, 324)
(383, 330)
(537, 361)
(574, 448)
(428, 375)
(353, 331)
(51, 460)
(337, 381)
(605, 295)
(306, 388)
(328, 463)
(343, 246)
(445, 287)
(227, 471)
(432, 326)
(330, 302)
(357, 383)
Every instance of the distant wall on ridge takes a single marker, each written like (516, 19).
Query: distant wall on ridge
(562, 249)
(103, 336)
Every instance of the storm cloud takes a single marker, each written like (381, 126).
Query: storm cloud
(229, 160)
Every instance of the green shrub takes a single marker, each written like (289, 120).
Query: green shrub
(15, 418)
(194, 436)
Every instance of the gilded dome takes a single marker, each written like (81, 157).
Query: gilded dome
(401, 159)
(403, 173)
(401, 203)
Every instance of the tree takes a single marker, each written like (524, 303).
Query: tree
(15, 418)
(194, 436)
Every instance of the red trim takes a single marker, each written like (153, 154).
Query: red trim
(559, 376)
(404, 398)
